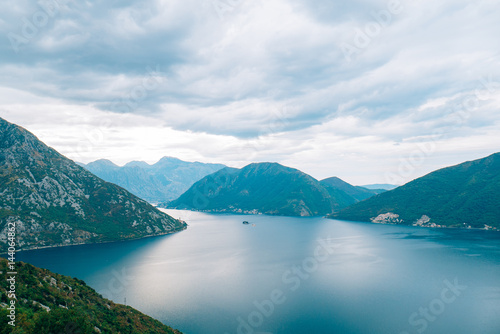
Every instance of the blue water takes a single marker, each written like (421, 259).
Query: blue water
(297, 275)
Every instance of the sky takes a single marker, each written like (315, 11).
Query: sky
(370, 91)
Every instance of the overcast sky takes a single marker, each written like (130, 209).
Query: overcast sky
(370, 91)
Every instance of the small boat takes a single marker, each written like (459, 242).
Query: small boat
(246, 223)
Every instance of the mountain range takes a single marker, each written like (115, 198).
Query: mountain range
(269, 188)
(345, 194)
(163, 181)
(465, 195)
(383, 186)
(52, 201)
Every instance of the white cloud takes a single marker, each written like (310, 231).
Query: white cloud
(267, 81)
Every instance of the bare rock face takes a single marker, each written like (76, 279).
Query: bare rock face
(52, 201)
(386, 218)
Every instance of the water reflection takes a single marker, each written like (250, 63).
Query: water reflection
(221, 276)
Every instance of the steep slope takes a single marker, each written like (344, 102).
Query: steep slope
(346, 194)
(467, 194)
(267, 188)
(163, 181)
(52, 201)
(52, 303)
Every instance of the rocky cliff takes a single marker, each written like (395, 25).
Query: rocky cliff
(51, 201)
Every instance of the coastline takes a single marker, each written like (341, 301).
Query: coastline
(96, 243)
(223, 212)
(417, 226)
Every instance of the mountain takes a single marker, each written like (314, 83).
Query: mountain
(163, 181)
(383, 186)
(52, 201)
(61, 304)
(346, 194)
(380, 186)
(464, 195)
(265, 188)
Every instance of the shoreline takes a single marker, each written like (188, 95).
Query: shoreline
(416, 226)
(326, 217)
(95, 243)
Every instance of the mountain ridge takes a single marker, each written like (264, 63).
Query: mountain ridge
(162, 181)
(263, 188)
(383, 186)
(463, 195)
(52, 201)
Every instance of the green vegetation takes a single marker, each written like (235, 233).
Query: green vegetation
(345, 194)
(267, 188)
(53, 201)
(460, 196)
(74, 307)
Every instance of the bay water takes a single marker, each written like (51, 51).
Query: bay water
(296, 275)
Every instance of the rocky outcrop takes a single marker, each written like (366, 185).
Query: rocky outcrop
(387, 218)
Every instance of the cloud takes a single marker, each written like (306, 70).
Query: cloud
(262, 80)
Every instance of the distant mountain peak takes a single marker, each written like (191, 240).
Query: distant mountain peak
(346, 193)
(103, 162)
(162, 181)
(141, 164)
(265, 164)
(170, 159)
(383, 186)
(336, 181)
(268, 166)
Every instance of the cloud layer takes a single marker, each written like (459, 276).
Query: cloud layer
(353, 90)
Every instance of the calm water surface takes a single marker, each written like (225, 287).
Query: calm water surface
(297, 275)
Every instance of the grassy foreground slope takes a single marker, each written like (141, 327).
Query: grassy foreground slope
(49, 303)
